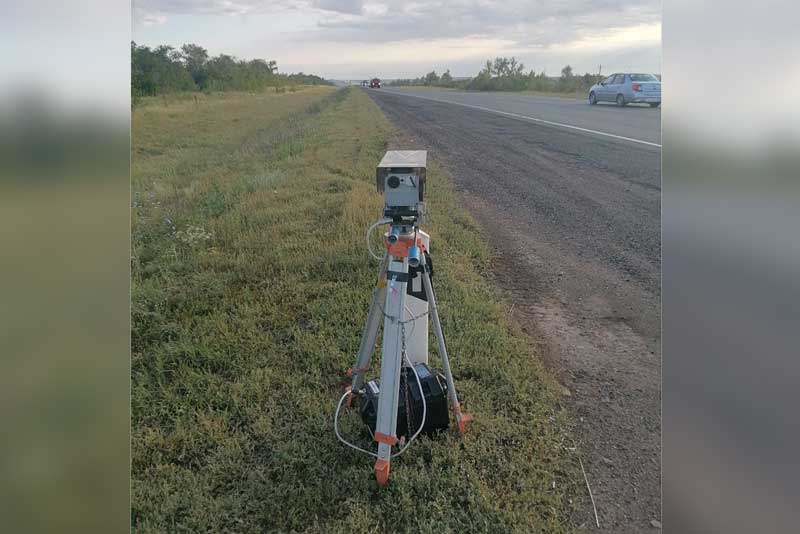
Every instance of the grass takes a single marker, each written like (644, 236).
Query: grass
(250, 288)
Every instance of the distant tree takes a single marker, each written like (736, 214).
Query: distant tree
(588, 80)
(165, 70)
(537, 82)
(500, 74)
(567, 80)
(500, 66)
(446, 80)
(508, 74)
(157, 71)
(515, 68)
(195, 58)
(431, 78)
(306, 79)
(223, 73)
(265, 68)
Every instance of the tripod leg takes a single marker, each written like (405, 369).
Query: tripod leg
(391, 364)
(370, 332)
(462, 419)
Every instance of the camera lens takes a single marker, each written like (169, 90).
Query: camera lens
(393, 182)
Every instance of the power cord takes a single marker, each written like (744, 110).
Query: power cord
(408, 443)
(369, 232)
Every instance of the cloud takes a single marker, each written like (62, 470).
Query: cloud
(147, 11)
(323, 35)
(353, 7)
(151, 19)
(527, 22)
(541, 23)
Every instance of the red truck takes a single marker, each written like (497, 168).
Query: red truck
(375, 83)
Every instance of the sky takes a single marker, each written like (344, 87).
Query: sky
(358, 39)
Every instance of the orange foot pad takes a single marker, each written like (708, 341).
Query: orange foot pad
(382, 471)
(463, 421)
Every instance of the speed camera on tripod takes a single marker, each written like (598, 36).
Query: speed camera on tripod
(400, 176)
(403, 301)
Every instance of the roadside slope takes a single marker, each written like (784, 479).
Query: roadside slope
(250, 288)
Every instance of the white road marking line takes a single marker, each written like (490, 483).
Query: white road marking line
(535, 119)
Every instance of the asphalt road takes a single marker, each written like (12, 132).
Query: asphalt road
(637, 122)
(574, 219)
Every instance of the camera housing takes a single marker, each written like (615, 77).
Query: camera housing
(400, 176)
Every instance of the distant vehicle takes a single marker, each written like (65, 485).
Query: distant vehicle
(375, 83)
(365, 83)
(626, 89)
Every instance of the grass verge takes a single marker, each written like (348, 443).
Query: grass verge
(250, 288)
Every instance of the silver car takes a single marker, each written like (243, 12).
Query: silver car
(626, 89)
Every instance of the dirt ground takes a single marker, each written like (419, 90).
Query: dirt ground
(575, 229)
(610, 384)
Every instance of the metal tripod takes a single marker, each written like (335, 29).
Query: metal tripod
(389, 304)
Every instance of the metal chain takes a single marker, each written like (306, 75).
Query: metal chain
(409, 320)
(414, 318)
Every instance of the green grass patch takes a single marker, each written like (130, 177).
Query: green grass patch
(251, 285)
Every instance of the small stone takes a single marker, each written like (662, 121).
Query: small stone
(655, 523)
(607, 461)
(565, 391)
